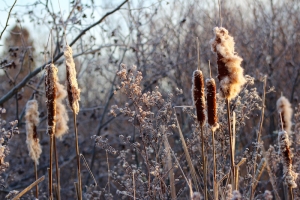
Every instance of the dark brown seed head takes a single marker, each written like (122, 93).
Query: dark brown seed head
(211, 100)
(198, 96)
(50, 87)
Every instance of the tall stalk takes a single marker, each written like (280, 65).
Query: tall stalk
(78, 158)
(231, 143)
(36, 178)
(50, 167)
(215, 184)
(204, 163)
(57, 169)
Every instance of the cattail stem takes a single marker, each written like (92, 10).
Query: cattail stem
(78, 158)
(291, 195)
(204, 163)
(57, 169)
(231, 141)
(36, 178)
(216, 193)
(50, 166)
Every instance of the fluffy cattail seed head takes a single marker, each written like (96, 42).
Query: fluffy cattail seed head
(51, 90)
(198, 95)
(62, 117)
(32, 121)
(230, 72)
(211, 100)
(286, 155)
(284, 108)
(72, 85)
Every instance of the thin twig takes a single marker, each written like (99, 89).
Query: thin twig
(231, 141)
(88, 168)
(36, 178)
(6, 24)
(29, 188)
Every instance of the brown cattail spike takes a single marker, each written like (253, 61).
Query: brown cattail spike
(198, 96)
(32, 121)
(284, 108)
(51, 90)
(211, 101)
(72, 85)
(286, 154)
(230, 73)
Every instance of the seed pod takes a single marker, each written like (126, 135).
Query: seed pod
(32, 121)
(50, 87)
(286, 155)
(72, 85)
(230, 72)
(62, 117)
(211, 101)
(284, 108)
(198, 95)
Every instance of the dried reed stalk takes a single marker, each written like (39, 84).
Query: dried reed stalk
(51, 90)
(286, 155)
(74, 97)
(230, 75)
(212, 119)
(32, 140)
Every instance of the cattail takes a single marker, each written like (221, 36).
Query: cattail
(285, 110)
(32, 121)
(72, 85)
(51, 91)
(198, 95)
(62, 117)
(286, 154)
(268, 195)
(230, 72)
(211, 101)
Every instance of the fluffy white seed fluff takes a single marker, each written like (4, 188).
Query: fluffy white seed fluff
(286, 155)
(231, 75)
(72, 85)
(61, 117)
(32, 121)
(284, 108)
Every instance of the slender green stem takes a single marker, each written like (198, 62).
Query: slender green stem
(57, 169)
(231, 142)
(78, 158)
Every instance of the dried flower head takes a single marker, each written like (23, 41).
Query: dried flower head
(51, 90)
(286, 155)
(72, 85)
(32, 121)
(211, 100)
(62, 117)
(229, 192)
(229, 64)
(198, 95)
(236, 195)
(268, 195)
(284, 108)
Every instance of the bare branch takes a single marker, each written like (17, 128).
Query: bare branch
(6, 25)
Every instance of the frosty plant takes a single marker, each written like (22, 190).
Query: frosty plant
(230, 75)
(32, 140)
(51, 90)
(74, 97)
(285, 112)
